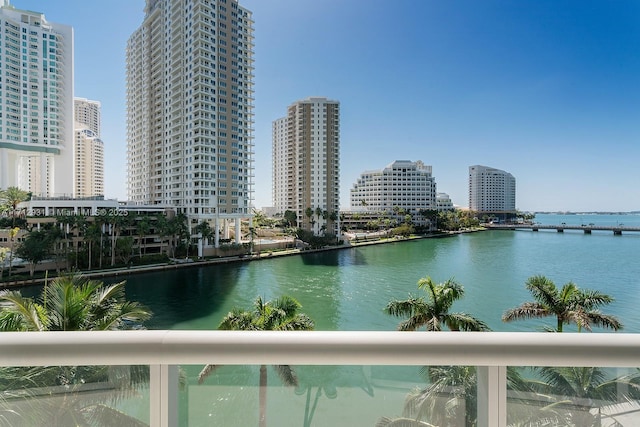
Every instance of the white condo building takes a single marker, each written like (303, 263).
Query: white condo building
(402, 184)
(190, 109)
(36, 101)
(491, 190)
(282, 168)
(306, 164)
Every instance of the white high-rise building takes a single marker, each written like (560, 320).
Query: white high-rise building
(282, 167)
(403, 184)
(36, 100)
(190, 109)
(89, 149)
(306, 164)
(491, 191)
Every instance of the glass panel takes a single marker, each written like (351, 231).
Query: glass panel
(74, 395)
(329, 396)
(570, 396)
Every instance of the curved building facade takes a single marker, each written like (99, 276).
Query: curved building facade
(491, 191)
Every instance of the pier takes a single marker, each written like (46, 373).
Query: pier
(587, 229)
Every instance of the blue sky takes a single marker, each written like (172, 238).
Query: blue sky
(546, 90)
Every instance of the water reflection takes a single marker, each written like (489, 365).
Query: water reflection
(335, 258)
(185, 294)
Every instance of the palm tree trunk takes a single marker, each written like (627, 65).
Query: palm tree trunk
(262, 397)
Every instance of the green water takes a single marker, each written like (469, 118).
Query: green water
(348, 289)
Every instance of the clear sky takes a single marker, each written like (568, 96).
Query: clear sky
(547, 90)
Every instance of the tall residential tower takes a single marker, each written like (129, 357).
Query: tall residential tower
(89, 149)
(492, 191)
(306, 164)
(190, 109)
(36, 100)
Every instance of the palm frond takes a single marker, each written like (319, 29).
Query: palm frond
(527, 310)
(401, 422)
(205, 372)
(287, 375)
(105, 416)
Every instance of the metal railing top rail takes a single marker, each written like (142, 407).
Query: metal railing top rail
(319, 348)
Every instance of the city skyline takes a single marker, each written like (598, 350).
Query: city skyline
(549, 92)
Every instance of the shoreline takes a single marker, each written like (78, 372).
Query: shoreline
(127, 271)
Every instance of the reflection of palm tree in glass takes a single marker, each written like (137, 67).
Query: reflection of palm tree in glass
(277, 315)
(71, 303)
(451, 398)
(572, 393)
(323, 378)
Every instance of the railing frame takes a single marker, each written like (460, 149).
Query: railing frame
(163, 351)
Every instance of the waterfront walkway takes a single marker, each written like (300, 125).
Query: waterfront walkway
(188, 263)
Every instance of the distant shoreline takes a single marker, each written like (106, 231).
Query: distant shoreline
(585, 213)
(127, 271)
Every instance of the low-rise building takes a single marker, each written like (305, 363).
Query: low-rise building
(443, 202)
(403, 187)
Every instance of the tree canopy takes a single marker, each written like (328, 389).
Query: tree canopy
(569, 305)
(434, 313)
(71, 303)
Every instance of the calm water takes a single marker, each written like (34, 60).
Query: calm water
(348, 289)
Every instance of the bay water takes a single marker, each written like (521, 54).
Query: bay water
(348, 289)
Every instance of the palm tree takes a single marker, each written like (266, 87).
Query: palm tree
(4, 254)
(569, 304)
(143, 227)
(12, 197)
(450, 398)
(206, 232)
(434, 313)
(93, 235)
(573, 396)
(309, 213)
(116, 222)
(101, 220)
(72, 303)
(81, 225)
(280, 314)
(13, 233)
(324, 379)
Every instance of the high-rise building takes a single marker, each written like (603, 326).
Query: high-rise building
(402, 186)
(88, 148)
(36, 100)
(89, 169)
(306, 164)
(491, 191)
(190, 109)
(283, 190)
(87, 112)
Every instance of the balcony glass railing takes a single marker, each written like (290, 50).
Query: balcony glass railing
(332, 378)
